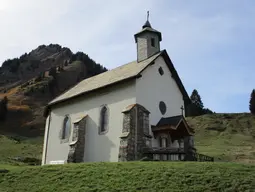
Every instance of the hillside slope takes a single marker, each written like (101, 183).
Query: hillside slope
(16, 150)
(135, 176)
(228, 137)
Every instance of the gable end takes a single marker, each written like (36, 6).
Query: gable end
(177, 79)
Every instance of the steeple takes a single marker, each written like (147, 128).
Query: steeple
(148, 41)
(147, 23)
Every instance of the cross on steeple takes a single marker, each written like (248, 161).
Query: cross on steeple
(182, 108)
(148, 14)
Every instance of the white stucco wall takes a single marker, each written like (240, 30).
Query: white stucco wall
(97, 147)
(152, 88)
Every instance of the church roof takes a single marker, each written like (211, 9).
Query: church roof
(119, 74)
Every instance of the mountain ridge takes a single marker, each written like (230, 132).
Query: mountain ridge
(30, 81)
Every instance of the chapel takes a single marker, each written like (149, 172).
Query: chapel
(133, 112)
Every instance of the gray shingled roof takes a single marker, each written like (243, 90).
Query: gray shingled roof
(118, 74)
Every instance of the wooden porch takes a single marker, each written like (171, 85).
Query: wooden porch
(176, 142)
(169, 154)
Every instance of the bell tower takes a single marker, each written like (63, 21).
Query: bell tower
(147, 41)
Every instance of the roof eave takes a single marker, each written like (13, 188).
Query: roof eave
(146, 31)
(47, 108)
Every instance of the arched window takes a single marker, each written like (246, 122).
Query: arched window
(103, 119)
(66, 127)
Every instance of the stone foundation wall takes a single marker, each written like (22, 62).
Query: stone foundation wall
(77, 146)
(135, 133)
(127, 140)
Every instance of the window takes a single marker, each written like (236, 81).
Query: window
(160, 70)
(163, 142)
(103, 119)
(66, 127)
(162, 107)
(152, 42)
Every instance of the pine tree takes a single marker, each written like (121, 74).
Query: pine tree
(196, 99)
(252, 102)
(196, 106)
(3, 108)
(53, 72)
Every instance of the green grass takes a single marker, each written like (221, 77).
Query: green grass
(13, 147)
(228, 137)
(131, 176)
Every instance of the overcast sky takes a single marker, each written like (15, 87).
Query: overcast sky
(211, 43)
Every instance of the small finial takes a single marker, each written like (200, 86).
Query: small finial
(147, 23)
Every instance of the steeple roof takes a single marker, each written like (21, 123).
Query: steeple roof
(148, 28)
(147, 24)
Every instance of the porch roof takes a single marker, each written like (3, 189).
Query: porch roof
(172, 124)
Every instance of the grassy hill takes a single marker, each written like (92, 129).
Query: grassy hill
(228, 137)
(20, 150)
(135, 176)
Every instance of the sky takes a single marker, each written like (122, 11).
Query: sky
(211, 43)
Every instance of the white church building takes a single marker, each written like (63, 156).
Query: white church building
(134, 111)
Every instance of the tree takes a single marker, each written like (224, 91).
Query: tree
(196, 99)
(53, 72)
(196, 106)
(3, 108)
(92, 68)
(207, 111)
(252, 102)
